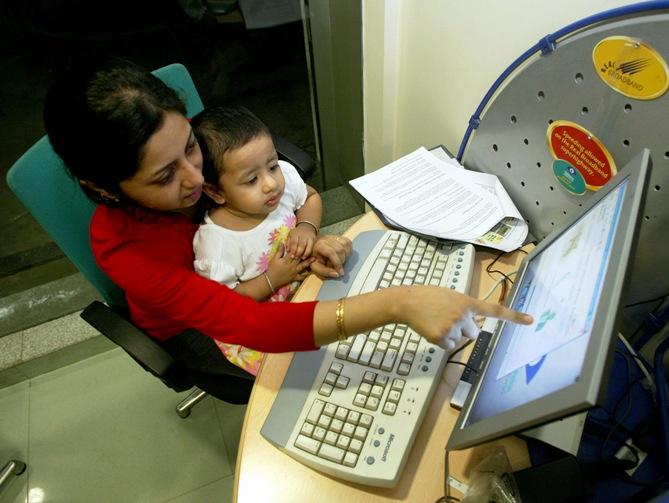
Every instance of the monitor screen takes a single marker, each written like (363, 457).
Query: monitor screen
(571, 284)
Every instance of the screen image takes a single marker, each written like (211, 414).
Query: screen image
(560, 287)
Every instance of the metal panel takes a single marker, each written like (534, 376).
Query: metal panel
(511, 139)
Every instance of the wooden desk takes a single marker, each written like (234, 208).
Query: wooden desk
(265, 474)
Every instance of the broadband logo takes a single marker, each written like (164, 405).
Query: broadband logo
(631, 67)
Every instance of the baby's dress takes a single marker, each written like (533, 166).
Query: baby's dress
(230, 257)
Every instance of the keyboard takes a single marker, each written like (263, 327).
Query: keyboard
(352, 409)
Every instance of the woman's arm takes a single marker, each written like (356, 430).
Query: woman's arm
(441, 315)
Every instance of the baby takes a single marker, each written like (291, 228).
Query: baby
(259, 235)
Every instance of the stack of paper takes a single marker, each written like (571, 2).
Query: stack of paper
(427, 195)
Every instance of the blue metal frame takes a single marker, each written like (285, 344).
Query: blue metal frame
(547, 45)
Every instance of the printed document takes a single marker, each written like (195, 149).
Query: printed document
(427, 195)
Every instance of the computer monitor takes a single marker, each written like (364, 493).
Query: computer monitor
(571, 283)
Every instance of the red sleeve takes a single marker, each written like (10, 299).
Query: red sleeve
(154, 269)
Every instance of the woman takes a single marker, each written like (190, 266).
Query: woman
(124, 135)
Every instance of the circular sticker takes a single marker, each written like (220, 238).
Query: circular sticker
(569, 177)
(582, 150)
(631, 67)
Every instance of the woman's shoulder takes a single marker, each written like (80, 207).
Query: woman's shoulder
(114, 225)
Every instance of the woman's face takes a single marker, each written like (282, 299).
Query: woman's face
(169, 177)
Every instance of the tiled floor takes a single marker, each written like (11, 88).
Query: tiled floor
(104, 430)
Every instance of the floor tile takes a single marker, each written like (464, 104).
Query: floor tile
(219, 492)
(231, 420)
(14, 407)
(104, 430)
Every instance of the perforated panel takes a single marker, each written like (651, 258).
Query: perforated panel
(511, 139)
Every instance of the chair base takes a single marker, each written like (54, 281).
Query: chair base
(184, 407)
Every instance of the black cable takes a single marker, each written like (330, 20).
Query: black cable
(490, 271)
(467, 343)
(662, 297)
(465, 365)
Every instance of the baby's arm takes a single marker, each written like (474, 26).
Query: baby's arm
(301, 239)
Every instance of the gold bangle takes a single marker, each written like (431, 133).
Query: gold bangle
(308, 223)
(341, 333)
(269, 283)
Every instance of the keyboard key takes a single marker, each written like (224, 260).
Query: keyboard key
(343, 441)
(360, 433)
(329, 409)
(307, 429)
(330, 378)
(389, 360)
(342, 382)
(355, 446)
(382, 380)
(348, 429)
(307, 444)
(315, 411)
(394, 396)
(360, 400)
(365, 388)
(336, 367)
(337, 424)
(403, 369)
(398, 384)
(356, 348)
(350, 459)
(366, 421)
(324, 421)
(331, 438)
(319, 433)
(325, 390)
(331, 453)
(389, 408)
(342, 351)
(341, 413)
(369, 377)
(372, 403)
(376, 391)
(353, 417)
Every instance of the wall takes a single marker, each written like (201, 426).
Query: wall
(428, 63)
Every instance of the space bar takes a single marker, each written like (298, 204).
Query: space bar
(368, 282)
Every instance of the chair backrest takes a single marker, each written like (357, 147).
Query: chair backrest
(41, 182)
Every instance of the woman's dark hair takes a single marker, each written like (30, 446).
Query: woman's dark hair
(221, 129)
(99, 118)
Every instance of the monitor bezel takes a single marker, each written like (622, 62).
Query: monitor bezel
(591, 386)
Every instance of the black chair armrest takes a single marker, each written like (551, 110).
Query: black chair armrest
(144, 350)
(295, 155)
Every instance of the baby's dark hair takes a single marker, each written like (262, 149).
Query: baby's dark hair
(100, 116)
(222, 129)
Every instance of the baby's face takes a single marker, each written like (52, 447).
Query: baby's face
(251, 181)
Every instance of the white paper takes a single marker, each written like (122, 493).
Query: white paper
(427, 195)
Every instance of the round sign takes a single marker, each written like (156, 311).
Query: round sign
(569, 177)
(631, 67)
(578, 147)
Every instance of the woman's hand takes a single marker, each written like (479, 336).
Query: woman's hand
(329, 254)
(443, 316)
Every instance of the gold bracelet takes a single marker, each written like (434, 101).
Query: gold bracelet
(341, 333)
(269, 283)
(309, 223)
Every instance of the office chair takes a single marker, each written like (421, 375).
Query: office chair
(41, 182)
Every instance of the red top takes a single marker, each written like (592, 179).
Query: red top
(150, 257)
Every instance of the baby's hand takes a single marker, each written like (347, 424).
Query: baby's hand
(284, 269)
(301, 241)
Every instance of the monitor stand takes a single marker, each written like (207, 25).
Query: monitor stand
(565, 433)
